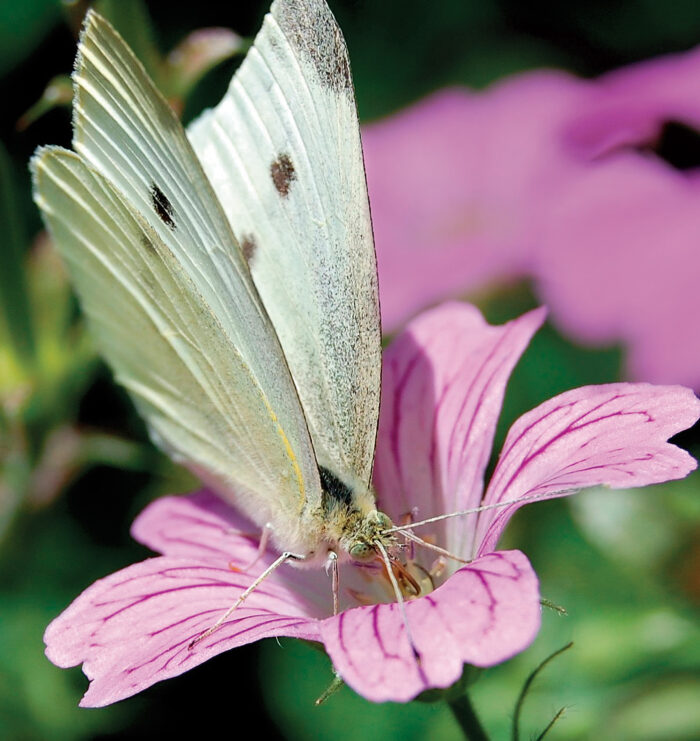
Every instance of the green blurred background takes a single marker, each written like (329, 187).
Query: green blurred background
(77, 466)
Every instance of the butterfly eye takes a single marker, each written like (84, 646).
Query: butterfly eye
(361, 551)
(384, 521)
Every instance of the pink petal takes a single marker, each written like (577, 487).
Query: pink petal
(443, 384)
(450, 181)
(613, 435)
(629, 106)
(470, 189)
(199, 526)
(619, 260)
(202, 527)
(133, 628)
(484, 614)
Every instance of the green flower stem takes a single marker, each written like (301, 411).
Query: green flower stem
(463, 712)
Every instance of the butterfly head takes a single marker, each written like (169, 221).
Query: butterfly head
(362, 541)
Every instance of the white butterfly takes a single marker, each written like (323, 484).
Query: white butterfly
(230, 277)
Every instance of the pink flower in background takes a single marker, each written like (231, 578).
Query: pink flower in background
(540, 177)
(444, 381)
(629, 106)
(450, 182)
(620, 260)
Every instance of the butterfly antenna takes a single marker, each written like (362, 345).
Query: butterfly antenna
(286, 556)
(399, 598)
(431, 546)
(474, 510)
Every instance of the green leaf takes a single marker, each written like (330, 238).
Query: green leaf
(131, 19)
(14, 301)
(22, 26)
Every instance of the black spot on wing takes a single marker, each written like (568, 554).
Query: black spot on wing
(334, 488)
(162, 206)
(283, 173)
(248, 246)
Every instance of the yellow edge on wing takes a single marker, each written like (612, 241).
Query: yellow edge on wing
(290, 453)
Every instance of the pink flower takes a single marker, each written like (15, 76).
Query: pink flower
(541, 177)
(444, 381)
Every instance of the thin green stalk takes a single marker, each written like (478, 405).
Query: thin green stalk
(465, 715)
(526, 687)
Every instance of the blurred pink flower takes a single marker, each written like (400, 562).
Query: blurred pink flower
(542, 176)
(444, 381)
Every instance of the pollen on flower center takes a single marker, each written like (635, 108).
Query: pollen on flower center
(427, 568)
(415, 576)
(417, 570)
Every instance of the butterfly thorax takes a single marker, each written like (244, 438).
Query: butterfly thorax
(353, 525)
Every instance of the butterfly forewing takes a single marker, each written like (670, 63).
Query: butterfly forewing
(283, 153)
(161, 276)
(126, 131)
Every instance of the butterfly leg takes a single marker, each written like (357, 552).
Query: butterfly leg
(332, 566)
(262, 547)
(283, 558)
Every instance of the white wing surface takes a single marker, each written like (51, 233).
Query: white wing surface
(283, 153)
(161, 276)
